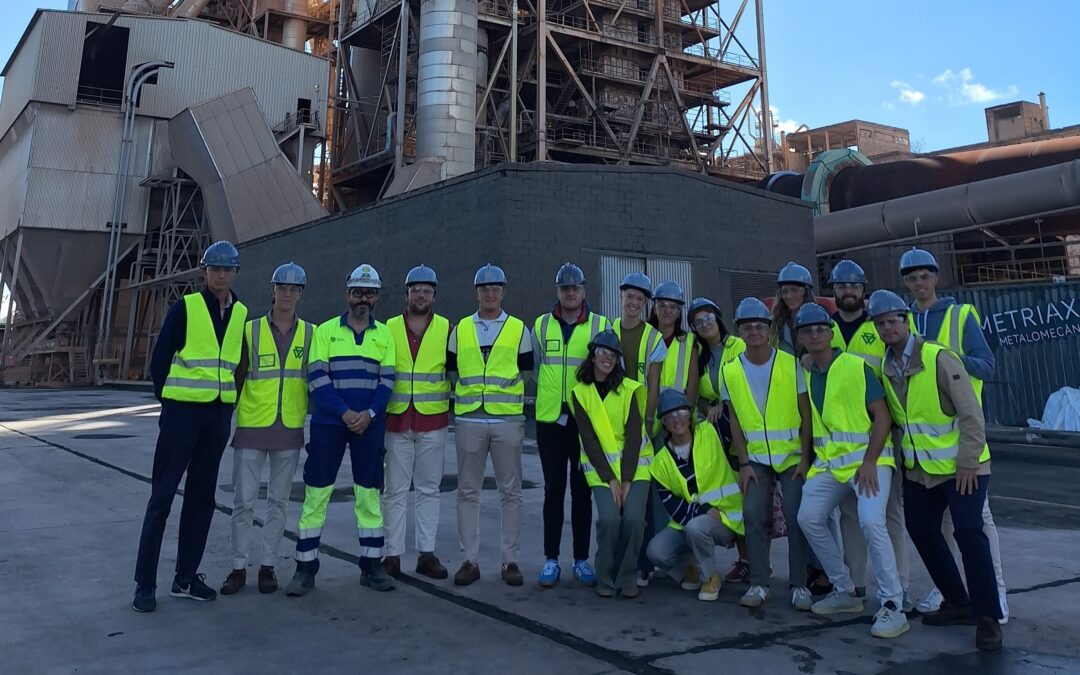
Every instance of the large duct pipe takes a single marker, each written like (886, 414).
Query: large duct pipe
(962, 207)
(294, 29)
(190, 9)
(446, 85)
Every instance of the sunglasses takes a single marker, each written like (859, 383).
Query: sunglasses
(363, 293)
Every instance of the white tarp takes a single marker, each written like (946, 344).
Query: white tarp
(1062, 412)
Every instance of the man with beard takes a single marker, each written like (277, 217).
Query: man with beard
(350, 376)
(416, 423)
(854, 333)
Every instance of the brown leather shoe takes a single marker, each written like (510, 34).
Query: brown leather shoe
(234, 582)
(511, 574)
(469, 573)
(392, 565)
(267, 580)
(429, 565)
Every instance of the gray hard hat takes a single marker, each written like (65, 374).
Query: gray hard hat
(847, 272)
(752, 309)
(637, 281)
(489, 275)
(569, 275)
(669, 290)
(812, 314)
(607, 339)
(289, 273)
(794, 273)
(885, 302)
(421, 274)
(670, 400)
(917, 258)
(702, 303)
(221, 254)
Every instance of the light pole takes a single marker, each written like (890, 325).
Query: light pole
(136, 79)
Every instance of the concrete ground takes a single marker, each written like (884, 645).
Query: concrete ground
(74, 469)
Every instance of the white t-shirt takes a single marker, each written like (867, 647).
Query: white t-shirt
(759, 377)
(681, 451)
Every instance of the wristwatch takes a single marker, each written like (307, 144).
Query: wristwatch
(371, 411)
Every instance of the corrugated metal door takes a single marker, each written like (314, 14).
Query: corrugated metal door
(746, 284)
(680, 271)
(612, 270)
(1034, 332)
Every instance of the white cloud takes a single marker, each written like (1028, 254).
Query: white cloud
(961, 88)
(908, 94)
(787, 126)
(888, 105)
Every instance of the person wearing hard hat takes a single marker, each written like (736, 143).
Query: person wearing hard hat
(794, 288)
(854, 333)
(947, 462)
(199, 347)
(957, 326)
(561, 340)
(701, 494)
(771, 434)
(679, 371)
(269, 424)
(350, 377)
(490, 351)
(417, 419)
(615, 454)
(644, 350)
(854, 456)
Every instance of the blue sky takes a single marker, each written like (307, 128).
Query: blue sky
(929, 66)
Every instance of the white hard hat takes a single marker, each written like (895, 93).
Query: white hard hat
(364, 276)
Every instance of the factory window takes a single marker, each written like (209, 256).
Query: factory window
(303, 111)
(104, 62)
(614, 267)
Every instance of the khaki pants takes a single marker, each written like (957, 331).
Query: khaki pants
(474, 441)
(413, 459)
(247, 477)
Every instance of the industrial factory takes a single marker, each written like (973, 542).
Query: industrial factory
(624, 135)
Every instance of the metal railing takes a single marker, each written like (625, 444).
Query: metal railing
(308, 118)
(1038, 269)
(99, 96)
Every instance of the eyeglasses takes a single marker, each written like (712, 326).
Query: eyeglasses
(919, 276)
(681, 414)
(814, 330)
(363, 293)
(667, 304)
(704, 320)
(604, 351)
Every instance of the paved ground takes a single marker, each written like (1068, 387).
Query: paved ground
(73, 487)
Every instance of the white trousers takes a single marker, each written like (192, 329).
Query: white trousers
(413, 459)
(855, 546)
(821, 495)
(247, 478)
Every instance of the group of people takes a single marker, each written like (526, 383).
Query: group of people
(841, 431)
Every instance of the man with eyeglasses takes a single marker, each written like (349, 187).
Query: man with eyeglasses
(351, 378)
(957, 326)
(853, 456)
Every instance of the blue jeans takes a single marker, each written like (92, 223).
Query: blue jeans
(923, 510)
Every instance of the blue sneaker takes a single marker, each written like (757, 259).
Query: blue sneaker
(584, 573)
(549, 575)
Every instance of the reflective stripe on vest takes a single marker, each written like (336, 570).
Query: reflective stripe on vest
(772, 439)
(709, 388)
(717, 483)
(608, 418)
(951, 335)
(929, 436)
(496, 383)
(865, 343)
(423, 381)
(650, 340)
(557, 374)
(204, 370)
(842, 426)
(675, 373)
(273, 386)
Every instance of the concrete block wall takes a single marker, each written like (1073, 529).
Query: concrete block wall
(529, 219)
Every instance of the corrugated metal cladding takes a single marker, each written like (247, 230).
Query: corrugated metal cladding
(747, 284)
(1035, 334)
(612, 270)
(210, 61)
(14, 158)
(20, 78)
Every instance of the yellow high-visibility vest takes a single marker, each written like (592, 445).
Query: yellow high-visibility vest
(772, 439)
(495, 384)
(608, 417)
(717, 483)
(423, 380)
(204, 370)
(557, 374)
(272, 384)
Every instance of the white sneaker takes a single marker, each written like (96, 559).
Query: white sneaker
(754, 597)
(643, 578)
(838, 603)
(908, 603)
(1004, 608)
(932, 603)
(801, 599)
(889, 622)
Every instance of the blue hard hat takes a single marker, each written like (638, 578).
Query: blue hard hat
(221, 254)
(812, 314)
(752, 309)
(669, 290)
(915, 259)
(794, 273)
(489, 275)
(569, 275)
(421, 274)
(698, 304)
(607, 339)
(847, 272)
(638, 281)
(289, 273)
(885, 302)
(669, 401)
